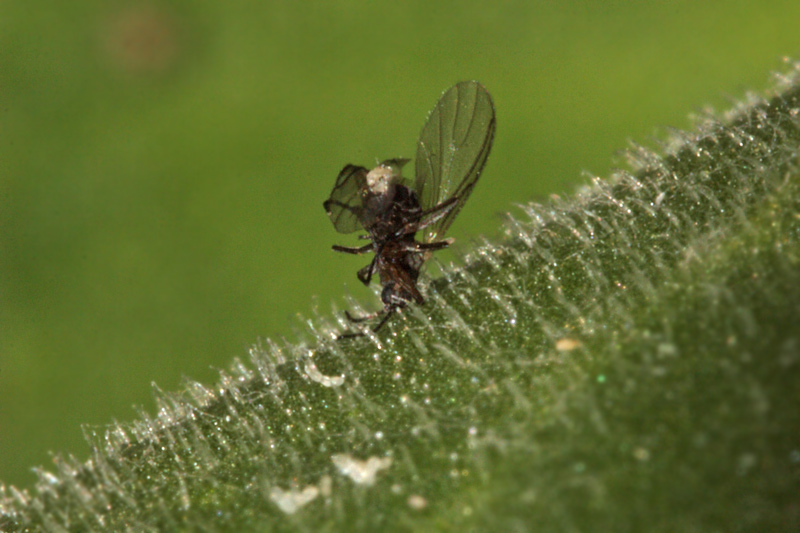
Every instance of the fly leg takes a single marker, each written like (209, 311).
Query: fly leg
(428, 246)
(365, 274)
(355, 251)
(392, 301)
(359, 319)
(430, 216)
(387, 314)
(438, 211)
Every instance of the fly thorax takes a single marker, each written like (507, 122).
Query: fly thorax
(380, 190)
(381, 180)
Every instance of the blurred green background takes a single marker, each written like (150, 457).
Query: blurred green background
(163, 164)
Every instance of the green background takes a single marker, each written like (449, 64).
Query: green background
(163, 164)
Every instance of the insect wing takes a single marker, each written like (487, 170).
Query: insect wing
(344, 205)
(395, 165)
(452, 150)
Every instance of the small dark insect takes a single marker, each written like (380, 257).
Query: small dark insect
(451, 152)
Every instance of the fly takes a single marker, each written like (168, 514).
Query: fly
(451, 153)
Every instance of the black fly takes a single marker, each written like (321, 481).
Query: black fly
(451, 152)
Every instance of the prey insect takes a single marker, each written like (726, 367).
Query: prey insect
(451, 153)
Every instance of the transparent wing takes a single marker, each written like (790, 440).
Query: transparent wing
(344, 204)
(396, 164)
(452, 150)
